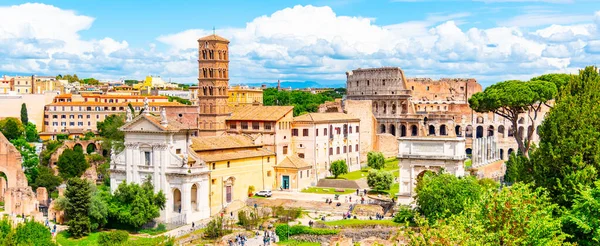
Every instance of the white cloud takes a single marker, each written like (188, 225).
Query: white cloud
(306, 43)
(543, 19)
(521, 1)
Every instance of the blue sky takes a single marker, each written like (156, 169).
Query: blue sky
(490, 40)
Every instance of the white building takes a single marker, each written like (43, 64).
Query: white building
(419, 154)
(175, 93)
(157, 148)
(322, 138)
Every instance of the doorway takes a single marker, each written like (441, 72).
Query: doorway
(285, 180)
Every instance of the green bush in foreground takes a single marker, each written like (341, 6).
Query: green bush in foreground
(284, 230)
(113, 238)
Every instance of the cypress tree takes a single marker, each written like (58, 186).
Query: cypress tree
(24, 117)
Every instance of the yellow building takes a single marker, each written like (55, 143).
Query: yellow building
(235, 164)
(244, 95)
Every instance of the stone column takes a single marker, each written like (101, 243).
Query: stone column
(137, 160)
(203, 201)
(186, 200)
(155, 166)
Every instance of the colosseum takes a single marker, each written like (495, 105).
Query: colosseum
(425, 107)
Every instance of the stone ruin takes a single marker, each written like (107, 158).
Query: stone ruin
(18, 197)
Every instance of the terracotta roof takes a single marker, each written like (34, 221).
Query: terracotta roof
(119, 104)
(325, 117)
(122, 96)
(235, 155)
(293, 162)
(260, 113)
(213, 37)
(222, 142)
(64, 95)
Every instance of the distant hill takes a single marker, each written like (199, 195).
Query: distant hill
(299, 85)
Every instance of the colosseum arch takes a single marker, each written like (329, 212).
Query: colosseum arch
(382, 128)
(521, 132)
(490, 131)
(469, 131)
(521, 120)
(510, 131)
(414, 131)
(479, 132)
(392, 129)
(443, 130)
(501, 154)
(510, 151)
(431, 130)
(458, 131)
(501, 131)
(402, 131)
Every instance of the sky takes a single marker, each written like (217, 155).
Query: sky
(319, 40)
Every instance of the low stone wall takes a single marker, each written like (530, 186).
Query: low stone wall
(342, 183)
(355, 234)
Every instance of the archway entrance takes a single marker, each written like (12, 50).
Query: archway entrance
(382, 128)
(443, 131)
(479, 133)
(176, 200)
(91, 148)
(431, 130)
(402, 131)
(392, 129)
(414, 131)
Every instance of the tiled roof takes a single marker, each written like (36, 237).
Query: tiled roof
(294, 162)
(119, 104)
(260, 113)
(213, 37)
(122, 96)
(222, 142)
(235, 155)
(325, 117)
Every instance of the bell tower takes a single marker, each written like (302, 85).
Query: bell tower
(213, 81)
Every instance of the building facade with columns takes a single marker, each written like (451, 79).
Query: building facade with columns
(157, 149)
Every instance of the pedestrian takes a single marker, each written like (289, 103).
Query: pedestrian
(350, 199)
(365, 192)
(231, 213)
(193, 225)
(357, 190)
(362, 200)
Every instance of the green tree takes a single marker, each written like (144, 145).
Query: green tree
(380, 180)
(515, 215)
(78, 195)
(49, 148)
(33, 233)
(583, 220)
(134, 205)
(90, 81)
(302, 101)
(46, 178)
(24, 117)
(518, 169)
(29, 160)
(31, 133)
(179, 100)
(98, 212)
(439, 196)
(568, 156)
(559, 79)
(512, 98)
(11, 128)
(108, 129)
(89, 135)
(130, 82)
(338, 168)
(72, 163)
(375, 160)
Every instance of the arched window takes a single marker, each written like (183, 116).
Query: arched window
(510, 131)
(521, 132)
(431, 130)
(479, 133)
(490, 131)
(469, 131)
(479, 120)
(501, 131)
(521, 120)
(414, 131)
(510, 151)
(443, 130)
(176, 200)
(394, 108)
(194, 194)
(501, 154)
(402, 131)
(382, 128)
(458, 131)
(392, 129)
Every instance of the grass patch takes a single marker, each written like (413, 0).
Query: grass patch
(154, 231)
(391, 165)
(361, 223)
(468, 163)
(327, 191)
(297, 243)
(63, 238)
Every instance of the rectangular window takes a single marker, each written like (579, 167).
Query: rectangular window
(45, 116)
(255, 126)
(285, 149)
(178, 151)
(88, 116)
(316, 132)
(228, 191)
(356, 149)
(63, 124)
(305, 132)
(228, 164)
(54, 116)
(71, 123)
(344, 148)
(214, 166)
(89, 123)
(80, 116)
(337, 150)
(268, 126)
(63, 116)
(356, 128)
(324, 131)
(147, 158)
(350, 128)
(244, 125)
(330, 151)
(300, 174)
(54, 123)
(295, 132)
(307, 173)
(71, 116)
(233, 125)
(80, 123)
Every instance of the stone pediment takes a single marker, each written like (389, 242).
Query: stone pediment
(141, 123)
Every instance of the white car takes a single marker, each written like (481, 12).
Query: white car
(265, 193)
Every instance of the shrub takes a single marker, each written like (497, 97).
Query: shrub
(214, 228)
(338, 168)
(380, 180)
(284, 230)
(405, 214)
(375, 160)
(113, 238)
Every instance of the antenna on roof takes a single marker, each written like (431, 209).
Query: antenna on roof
(214, 30)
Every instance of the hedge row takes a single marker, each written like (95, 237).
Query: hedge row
(283, 231)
